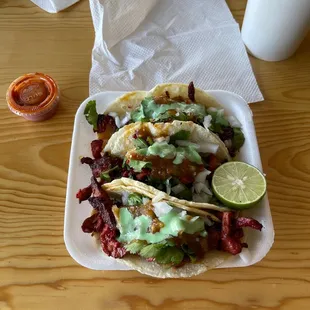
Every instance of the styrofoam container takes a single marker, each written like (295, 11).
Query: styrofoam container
(83, 248)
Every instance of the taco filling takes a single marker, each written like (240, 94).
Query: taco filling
(174, 164)
(129, 223)
(163, 108)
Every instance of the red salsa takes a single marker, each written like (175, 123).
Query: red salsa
(34, 96)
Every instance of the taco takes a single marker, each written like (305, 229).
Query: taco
(166, 103)
(158, 237)
(177, 158)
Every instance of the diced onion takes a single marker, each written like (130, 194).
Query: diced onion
(178, 188)
(233, 122)
(209, 148)
(201, 176)
(198, 187)
(117, 122)
(208, 221)
(211, 109)
(158, 197)
(187, 143)
(125, 119)
(228, 143)
(162, 139)
(220, 112)
(145, 200)
(168, 186)
(206, 190)
(193, 219)
(113, 114)
(207, 121)
(202, 187)
(183, 214)
(246, 256)
(125, 198)
(161, 208)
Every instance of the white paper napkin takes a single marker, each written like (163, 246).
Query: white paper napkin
(140, 43)
(54, 6)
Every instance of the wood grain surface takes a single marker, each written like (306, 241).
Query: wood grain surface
(36, 271)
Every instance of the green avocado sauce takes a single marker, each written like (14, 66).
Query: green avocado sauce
(149, 109)
(137, 228)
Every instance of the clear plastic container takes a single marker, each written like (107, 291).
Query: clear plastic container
(34, 96)
(83, 248)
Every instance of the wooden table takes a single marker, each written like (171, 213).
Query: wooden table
(36, 271)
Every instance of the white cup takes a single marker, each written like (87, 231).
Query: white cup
(272, 30)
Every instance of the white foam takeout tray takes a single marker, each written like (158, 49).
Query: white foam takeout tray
(83, 248)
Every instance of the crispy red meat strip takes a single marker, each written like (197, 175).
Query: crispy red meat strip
(232, 232)
(248, 222)
(226, 224)
(104, 207)
(128, 173)
(143, 174)
(101, 202)
(105, 163)
(87, 160)
(93, 223)
(214, 237)
(104, 121)
(96, 148)
(231, 245)
(228, 242)
(97, 190)
(191, 91)
(238, 233)
(84, 193)
(109, 244)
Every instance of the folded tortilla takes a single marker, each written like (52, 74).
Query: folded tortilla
(122, 143)
(210, 260)
(130, 101)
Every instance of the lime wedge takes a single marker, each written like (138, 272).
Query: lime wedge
(238, 185)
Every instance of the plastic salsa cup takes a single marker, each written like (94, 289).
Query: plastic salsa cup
(34, 96)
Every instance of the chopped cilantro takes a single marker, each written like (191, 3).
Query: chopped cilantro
(149, 140)
(138, 165)
(134, 200)
(238, 138)
(105, 174)
(180, 135)
(135, 246)
(169, 255)
(140, 143)
(91, 114)
(152, 250)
